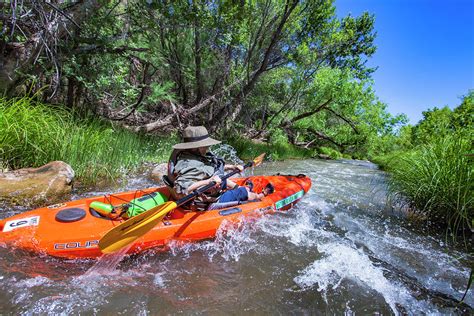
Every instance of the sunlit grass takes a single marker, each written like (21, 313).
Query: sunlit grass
(32, 134)
(437, 179)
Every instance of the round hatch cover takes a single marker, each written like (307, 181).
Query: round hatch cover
(70, 215)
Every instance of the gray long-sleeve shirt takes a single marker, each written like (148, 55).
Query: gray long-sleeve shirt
(191, 168)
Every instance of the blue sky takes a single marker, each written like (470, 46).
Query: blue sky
(425, 51)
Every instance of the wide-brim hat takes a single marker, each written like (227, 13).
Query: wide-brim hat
(195, 137)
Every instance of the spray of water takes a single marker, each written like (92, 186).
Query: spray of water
(227, 152)
(107, 263)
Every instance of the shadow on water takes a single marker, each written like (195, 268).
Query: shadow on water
(343, 249)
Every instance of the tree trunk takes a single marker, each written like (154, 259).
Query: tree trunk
(71, 84)
(197, 61)
(264, 65)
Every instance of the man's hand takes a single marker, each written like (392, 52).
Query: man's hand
(239, 167)
(216, 179)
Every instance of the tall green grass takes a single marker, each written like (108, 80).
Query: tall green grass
(437, 179)
(32, 134)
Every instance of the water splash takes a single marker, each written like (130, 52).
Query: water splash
(228, 153)
(233, 239)
(108, 263)
(342, 262)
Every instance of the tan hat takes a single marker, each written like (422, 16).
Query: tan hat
(195, 137)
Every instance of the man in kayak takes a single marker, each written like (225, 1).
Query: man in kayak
(192, 166)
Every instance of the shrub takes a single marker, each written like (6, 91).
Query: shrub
(249, 149)
(334, 154)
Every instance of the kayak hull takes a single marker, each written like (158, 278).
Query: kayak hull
(73, 230)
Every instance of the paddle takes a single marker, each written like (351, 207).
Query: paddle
(137, 226)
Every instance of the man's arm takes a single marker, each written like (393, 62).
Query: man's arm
(234, 167)
(198, 184)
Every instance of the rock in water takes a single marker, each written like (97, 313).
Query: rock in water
(33, 185)
(158, 171)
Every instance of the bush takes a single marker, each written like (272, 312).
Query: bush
(249, 149)
(334, 154)
(438, 180)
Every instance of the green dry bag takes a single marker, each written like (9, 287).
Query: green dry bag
(144, 203)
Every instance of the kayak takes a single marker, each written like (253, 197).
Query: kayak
(73, 229)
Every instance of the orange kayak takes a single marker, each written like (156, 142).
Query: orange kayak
(73, 229)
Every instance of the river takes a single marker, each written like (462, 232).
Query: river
(344, 249)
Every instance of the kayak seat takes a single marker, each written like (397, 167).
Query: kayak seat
(168, 181)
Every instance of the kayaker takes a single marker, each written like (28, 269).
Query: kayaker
(192, 166)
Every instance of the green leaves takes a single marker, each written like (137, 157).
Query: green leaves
(161, 92)
(441, 122)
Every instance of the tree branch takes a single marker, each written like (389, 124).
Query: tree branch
(62, 13)
(140, 98)
(321, 135)
(345, 120)
(307, 114)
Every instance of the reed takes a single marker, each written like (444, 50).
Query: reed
(437, 180)
(32, 134)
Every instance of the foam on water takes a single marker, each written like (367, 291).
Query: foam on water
(342, 262)
(76, 294)
(228, 153)
(418, 257)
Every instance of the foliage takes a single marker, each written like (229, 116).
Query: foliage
(328, 151)
(248, 149)
(335, 110)
(441, 122)
(32, 134)
(144, 61)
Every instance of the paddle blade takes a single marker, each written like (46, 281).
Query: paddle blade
(258, 160)
(130, 230)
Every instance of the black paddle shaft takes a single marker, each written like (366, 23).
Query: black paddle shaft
(203, 189)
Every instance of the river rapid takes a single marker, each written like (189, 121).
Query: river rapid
(344, 249)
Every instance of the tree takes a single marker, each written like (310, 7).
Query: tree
(31, 33)
(159, 65)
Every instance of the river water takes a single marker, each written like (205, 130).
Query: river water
(344, 249)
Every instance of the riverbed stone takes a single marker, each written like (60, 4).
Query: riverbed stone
(33, 185)
(325, 157)
(158, 171)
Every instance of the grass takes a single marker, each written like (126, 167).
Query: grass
(437, 179)
(32, 134)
